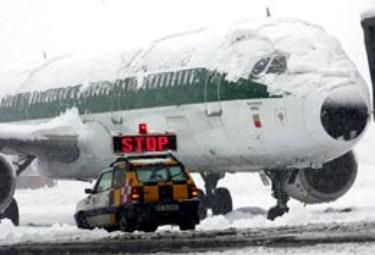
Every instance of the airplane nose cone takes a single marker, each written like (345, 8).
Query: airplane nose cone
(343, 116)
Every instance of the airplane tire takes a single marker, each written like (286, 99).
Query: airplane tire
(222, 202)
(12, 213)
(202, 208)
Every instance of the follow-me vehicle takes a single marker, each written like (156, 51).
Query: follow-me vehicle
(141, 192)
(273, 96)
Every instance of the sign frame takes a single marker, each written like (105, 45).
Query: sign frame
(144, 143)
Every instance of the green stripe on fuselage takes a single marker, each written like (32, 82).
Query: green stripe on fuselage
(190, 86)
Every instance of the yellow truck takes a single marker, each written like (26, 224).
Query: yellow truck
(141, 192)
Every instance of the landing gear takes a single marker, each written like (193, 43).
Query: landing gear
(217, 199)
(278, 179)
(11, 213)
(202, 209)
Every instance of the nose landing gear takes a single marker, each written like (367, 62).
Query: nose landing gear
(220, 200)
(217, 199)
(278, 179)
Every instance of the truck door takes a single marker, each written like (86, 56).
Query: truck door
(212, 93)
(100, 214)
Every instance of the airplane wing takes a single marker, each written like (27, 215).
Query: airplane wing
(55, 139)
(61, 148)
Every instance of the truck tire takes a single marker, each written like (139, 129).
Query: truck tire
(187, 225)
(149, 227)
(81, 221)
(124, 224)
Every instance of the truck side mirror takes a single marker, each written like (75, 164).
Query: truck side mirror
(89, 191)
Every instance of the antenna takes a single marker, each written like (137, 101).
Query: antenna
(268, 12)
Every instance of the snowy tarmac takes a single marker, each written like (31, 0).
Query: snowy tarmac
(238, 241)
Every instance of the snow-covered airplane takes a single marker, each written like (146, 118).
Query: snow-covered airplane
(275, 96)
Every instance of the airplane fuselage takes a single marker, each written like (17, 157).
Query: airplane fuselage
(241, 102)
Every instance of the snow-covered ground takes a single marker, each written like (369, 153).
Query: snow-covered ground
(47, 213)
(350, 248)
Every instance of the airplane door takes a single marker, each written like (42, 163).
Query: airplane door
(212, 94)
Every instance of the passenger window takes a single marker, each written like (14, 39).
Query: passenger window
(119, 176)
(177, 174)
(104, 183)
(153, 174)
(150, 174)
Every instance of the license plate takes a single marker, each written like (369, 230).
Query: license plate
(166, 208)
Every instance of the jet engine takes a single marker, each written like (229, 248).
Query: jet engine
(326, 184)
(7, 183)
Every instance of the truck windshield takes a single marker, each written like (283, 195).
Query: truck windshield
(160, 173)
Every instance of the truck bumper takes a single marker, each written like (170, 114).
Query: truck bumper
(163, 213)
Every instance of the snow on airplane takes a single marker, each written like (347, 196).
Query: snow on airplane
(276, 96)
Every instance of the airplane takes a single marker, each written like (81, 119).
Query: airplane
(271, 95)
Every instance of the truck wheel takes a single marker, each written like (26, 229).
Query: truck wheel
(124, 224)
(12, 213)
(81, 221)
(222, 201)
(187, 225)
(202, 208)
(111, 229)
(149, 227)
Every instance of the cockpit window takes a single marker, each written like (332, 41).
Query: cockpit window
(259, 67)
(276, 64)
